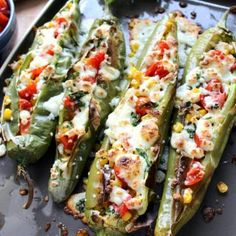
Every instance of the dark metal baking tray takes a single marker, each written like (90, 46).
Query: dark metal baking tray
(15, 220)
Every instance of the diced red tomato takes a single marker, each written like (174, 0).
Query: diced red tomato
(215, 85)
(123, 209)
(68, 142)
(96, 60)
(61, 20)
(37, 71)
(90, 79)
(28, 92)
(141, 107)
(49, 51)
(24, 104)
(217, 94)
(24, 127)
(69, 103)
(3, 5)
(219, 54)
(3, 20)
(233, 68)
(163, 46)
(157, 69)
(197, 140)
(195, 174)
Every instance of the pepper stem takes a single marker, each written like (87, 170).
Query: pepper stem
(223, 20)
(22, 172)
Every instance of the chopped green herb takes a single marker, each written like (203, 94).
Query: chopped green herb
(80, 205)
(191, 132)
(135, 119)
(143, 154)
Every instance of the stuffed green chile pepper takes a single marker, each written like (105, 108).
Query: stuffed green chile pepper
(205, 113)
(119, 183)
(92, 84)
(28, 122)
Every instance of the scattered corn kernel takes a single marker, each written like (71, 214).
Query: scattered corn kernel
(134, 47)
(7, 100)
(196, 90)
(188, 196)
(126, 216)
(134, 83)
(202, 112)
(178, 127)
(222, 187)
(7, 114)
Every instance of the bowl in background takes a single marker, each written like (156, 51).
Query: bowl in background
(6, 34)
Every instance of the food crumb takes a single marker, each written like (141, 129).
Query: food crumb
(46, 198)
(47, 226)
(82, 232)
(183, 4)
(63, 231)
(193, 15)
(159, 10)
(23, 191)
(233, 9)
(208, 214)
(219, 210)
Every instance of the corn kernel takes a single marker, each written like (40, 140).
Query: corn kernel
(134, 47)
(187, 196)
(135, 83)
(7, 100)
(178, 127)
(169, 25)
(151, 84)
(126, 216)
(103, 161)
(196, 90)
(7, 114)
(51, 24)
(135, 74)
(188, 117)
(131, 54)
(222, 187)
(202, 112)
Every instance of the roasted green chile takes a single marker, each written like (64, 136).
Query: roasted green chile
(105, 212)
(48, 60)
(176, 209)
(91, 86)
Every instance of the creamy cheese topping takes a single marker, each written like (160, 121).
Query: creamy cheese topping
(202, 97)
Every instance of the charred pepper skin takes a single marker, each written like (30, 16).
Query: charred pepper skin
(93, 199)
(169, 220)
(29, 148)
(78, 158)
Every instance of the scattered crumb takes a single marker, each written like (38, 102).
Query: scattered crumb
(23, 191)
(46, 198)
(82, 232)
(183, 4)
(233, 9)
(47, 226)
(219, 210)
(208, 214)
(193, 15)
(63, 231)
(159, 10)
